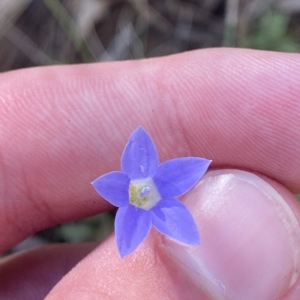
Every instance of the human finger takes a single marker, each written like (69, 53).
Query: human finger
(250, 250)
(63, 126)
(31, 274)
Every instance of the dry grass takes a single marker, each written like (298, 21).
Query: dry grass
(42, 32)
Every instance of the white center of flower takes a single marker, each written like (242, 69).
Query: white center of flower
(143, 193)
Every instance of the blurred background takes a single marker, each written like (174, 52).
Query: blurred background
(47, 32)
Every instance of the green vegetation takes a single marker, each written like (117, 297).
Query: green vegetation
(272, 33)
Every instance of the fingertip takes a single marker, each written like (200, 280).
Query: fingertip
(250, 238)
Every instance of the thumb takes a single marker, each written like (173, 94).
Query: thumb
(250, 238)
(250, 243)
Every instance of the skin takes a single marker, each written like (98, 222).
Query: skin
(63, 126)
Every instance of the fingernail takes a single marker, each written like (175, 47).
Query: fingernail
(250, 238)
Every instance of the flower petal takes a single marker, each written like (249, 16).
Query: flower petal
(113, 187)
(173, 219)
(140, 158)
(176, 176)
(132, 225)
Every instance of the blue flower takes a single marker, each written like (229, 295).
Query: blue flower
(146, 193)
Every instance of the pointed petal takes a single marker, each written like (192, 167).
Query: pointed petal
(140, 158)
(176, 176)
(113, 187)
(173, 219)
(132, 225)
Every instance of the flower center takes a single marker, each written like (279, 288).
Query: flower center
(143, 193)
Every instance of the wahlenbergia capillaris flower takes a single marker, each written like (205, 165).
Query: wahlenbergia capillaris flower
(146, 193)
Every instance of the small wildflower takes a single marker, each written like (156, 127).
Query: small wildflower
(146, 193)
